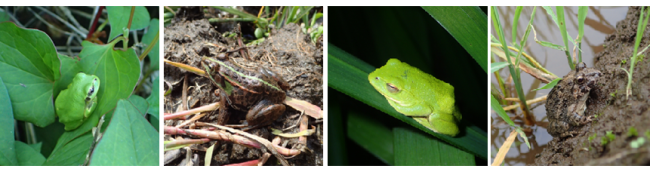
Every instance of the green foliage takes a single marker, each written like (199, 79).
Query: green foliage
(632, 132)
(610, 135)
(30, 61)
(604, 141)
(592, 137)
(637, 143)
(128, 140)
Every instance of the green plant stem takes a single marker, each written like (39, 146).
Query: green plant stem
(513, 68)
(149, 47)
(562, 25)
(639, 34)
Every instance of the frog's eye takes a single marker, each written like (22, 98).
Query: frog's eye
(90, 91)
(392, 88)
(580, 79)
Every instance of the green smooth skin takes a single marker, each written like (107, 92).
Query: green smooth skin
(419, 95)
(74, 104)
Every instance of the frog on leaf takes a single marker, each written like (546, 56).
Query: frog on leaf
(77, 102)
(416, 94)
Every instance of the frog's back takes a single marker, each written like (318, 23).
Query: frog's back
(438, 94)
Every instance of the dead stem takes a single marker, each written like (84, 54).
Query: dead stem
(194, 118)
(184, 94)
(210, 107)
(294, 125)
(262, 141)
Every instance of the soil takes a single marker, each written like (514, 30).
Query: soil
(287, 51)
(614, 112)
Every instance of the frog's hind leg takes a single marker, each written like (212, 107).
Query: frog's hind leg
(264, 113)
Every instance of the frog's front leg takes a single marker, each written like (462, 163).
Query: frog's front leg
(579, 119)
(263, 113)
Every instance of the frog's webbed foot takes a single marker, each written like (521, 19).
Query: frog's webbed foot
(579, 119)
(569, 134)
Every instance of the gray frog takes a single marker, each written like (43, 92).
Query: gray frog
(567, 101)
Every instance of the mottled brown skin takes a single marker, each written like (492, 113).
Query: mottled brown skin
(264, 101)
(567, 101)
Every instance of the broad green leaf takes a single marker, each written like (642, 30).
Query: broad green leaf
(69, 68)
(118, 71)
(4, 16)
(414, 148)
(71, 154)
(28, 66)
(153, 98)
(349, 75)
(8, 155)
(139, 103)
(28, 156)
(118, 17)
(372, 136)
(129, 140)
(37, 146)
(147, 38)
(468, 25)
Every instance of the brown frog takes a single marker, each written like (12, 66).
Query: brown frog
(260, 91)
(567, 101)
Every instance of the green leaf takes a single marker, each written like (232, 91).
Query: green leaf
(494, 103)
(71, 154)
(349, 75)
(8, 155)
(118, 17)
(468, 25)
(147, 38)
(4, 16)
(118, 71)
(565, 36)
(497, 66)
(69, 68)
(582, 16)
(129, 140)
(139, 103)
(28, 156)
(153, 98)
(549, 85)
(28, 66)
(371, 135)
(414, 148)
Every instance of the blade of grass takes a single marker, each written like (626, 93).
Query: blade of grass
(639, 34)
(582, 16)
(515, 21)
(561, 23)
(514, 70)
(350, 76)
(470, 33)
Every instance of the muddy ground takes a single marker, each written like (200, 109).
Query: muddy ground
(615, 113)
(287, 51)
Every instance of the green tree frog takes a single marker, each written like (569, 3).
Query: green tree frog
(419, 95)
(74, 104)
